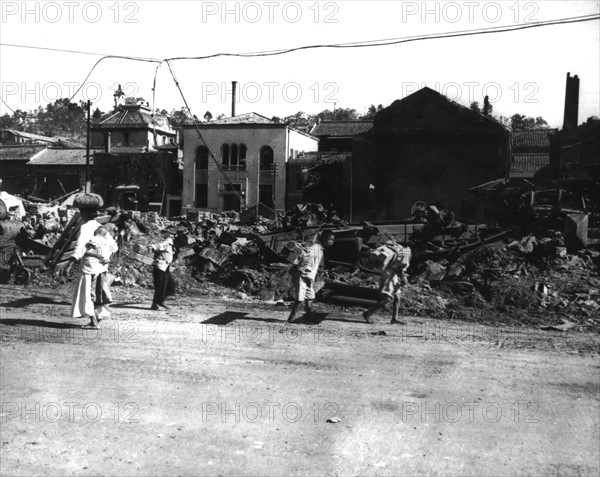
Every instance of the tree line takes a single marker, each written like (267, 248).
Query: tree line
(67, 119)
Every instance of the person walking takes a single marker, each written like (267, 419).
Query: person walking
(163, 257)
(91, 263)
(305, 273)
(104, 244)
(392, 279)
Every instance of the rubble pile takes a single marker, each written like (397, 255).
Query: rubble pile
(533, 279)
(524, 280)
(311, 215)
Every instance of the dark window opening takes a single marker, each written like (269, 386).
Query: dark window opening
(231, 200)
(225, 154)
(233, 162)
(202, 158)
(233, 157)
(265, 195)
(202, 196)
(266, 158)
(242, 156)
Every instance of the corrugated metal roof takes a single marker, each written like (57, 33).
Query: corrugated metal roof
(59, 157)
(527, 164)
(341, 128)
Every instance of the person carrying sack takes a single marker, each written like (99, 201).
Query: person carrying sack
(391, 280)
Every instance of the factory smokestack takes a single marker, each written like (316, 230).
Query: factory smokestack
(233, 93)
(571, 102)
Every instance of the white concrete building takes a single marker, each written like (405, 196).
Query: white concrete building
(250, 163)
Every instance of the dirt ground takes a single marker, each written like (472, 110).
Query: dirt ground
(223, 386)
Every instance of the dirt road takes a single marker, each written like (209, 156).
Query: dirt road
(227, 388)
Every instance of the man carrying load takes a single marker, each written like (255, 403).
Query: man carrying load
(395, 262)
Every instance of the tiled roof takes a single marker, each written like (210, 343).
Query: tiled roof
(323, 157)
(135, 117)
(527, 164)
(59, 157)
(248, 118)
(532, 140)
(341, 128)
(19, 153)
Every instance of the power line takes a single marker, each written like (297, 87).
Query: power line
(210, 152)
(85, 80)
(78, 52)
(395, 41)
(356, 44)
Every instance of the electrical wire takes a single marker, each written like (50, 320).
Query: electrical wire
(358, 44)
(69, 100)
(396, 41)
(210, 151)
(355, 44)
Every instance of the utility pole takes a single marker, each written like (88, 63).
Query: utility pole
(257, 187)
(351, 187)
(88, 184)
(274, 182)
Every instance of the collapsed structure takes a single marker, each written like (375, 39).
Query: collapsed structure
(500, 233)
(534, 274)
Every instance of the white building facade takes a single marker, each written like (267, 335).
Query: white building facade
(251, 154)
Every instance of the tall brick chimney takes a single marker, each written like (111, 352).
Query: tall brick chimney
(233, 93)
(571, 102)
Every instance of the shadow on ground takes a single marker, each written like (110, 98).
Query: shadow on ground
(34, 300)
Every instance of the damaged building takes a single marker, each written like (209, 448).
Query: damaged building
(426, 148)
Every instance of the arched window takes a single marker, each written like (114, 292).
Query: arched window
(242, 155)
(266, 158)
(233, 161)
(225, 154)
(202, 158)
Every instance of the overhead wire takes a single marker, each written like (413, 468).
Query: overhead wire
(357, 44)
(210, 151)
(69, 100)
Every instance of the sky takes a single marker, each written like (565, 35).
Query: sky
(521, 71)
